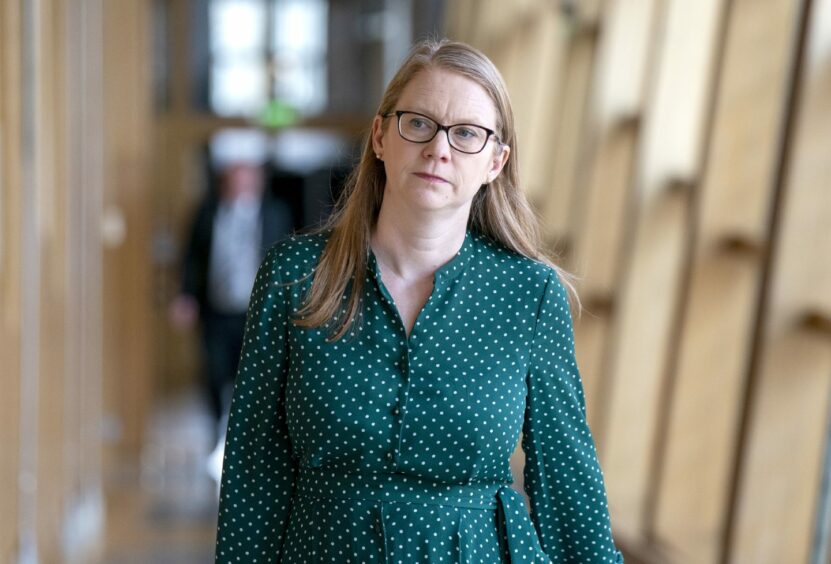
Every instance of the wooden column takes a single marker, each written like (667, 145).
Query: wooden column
(603, 189)
(779, 479)
(668, 167)
(535, 63)
(83, 97)
(10, 283)
(554, 177)
(48, 345)
(127, 230)
(706, 401)
(51, 226)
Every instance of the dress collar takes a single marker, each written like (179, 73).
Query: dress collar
(447, 271)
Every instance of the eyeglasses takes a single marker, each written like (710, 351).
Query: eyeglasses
(464, 137)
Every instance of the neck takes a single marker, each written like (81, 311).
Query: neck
(412, 246)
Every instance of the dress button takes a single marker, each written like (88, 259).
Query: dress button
(378, 528)
(389, 455)
(395, 410)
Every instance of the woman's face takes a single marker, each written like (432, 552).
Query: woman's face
(434, 176)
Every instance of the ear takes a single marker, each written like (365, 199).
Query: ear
(378, 135)
(497, 163)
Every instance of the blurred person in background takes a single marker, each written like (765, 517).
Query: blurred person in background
(393, 356)
(232, 229)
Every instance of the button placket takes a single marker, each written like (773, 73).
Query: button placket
(377, 524)
(399, 410)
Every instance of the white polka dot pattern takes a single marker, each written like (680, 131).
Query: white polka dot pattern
(386, 448)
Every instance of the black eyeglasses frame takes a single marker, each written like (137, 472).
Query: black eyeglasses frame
(445, 128)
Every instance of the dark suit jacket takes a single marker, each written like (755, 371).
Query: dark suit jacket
(277, 222)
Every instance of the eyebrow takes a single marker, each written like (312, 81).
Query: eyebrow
(464, 121)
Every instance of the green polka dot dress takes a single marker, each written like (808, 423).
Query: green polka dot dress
(393, 449)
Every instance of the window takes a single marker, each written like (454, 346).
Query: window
(267, 52)
(299, 54)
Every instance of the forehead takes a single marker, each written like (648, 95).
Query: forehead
(448, 97)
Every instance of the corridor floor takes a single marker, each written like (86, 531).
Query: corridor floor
(163, 510)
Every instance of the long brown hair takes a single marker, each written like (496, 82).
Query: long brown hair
(499, 209)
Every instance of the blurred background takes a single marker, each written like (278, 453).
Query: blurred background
(678, 152)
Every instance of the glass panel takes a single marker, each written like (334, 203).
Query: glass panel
(237, 26)
(239, 86)
(299, 43)
(289, 65)
(238, 78)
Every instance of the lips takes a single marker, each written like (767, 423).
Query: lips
(430, 177)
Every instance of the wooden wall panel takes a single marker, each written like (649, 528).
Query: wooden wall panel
(596, 251)
(85, 155)
(705, 408)
(642, 319)
(128, 304)
(33, 279)
(557, 170)
(31, 252)
(176, 192)
(590, 338)
(600, 226)
(10, 312)
(602, 187)
(51, 205)
(649, 290)
(624, 50)
(536, 91)
(780, 482)
(781, 471)
(720, 308)
(683, 78)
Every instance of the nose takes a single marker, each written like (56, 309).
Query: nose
(439, 146)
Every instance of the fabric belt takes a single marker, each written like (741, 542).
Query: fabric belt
(513, 521)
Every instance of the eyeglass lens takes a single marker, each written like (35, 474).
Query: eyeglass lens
(420, 129)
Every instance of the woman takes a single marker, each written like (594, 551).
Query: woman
(392, 358)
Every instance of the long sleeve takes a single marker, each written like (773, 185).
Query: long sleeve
(562, 475)
(259, 470)
(195, 258)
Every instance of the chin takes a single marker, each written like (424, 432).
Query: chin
(430, 197)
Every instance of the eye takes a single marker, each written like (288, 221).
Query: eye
(468, 134)
(418, 123)
(465, 133)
